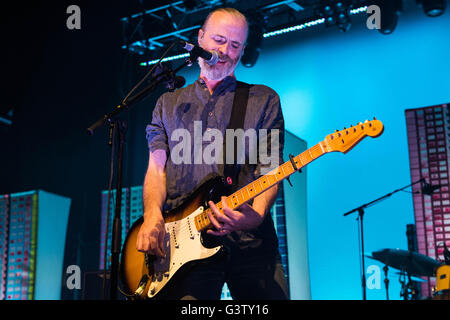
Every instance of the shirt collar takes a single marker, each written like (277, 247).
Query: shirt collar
(227, 84)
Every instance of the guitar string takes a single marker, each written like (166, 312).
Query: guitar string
(304, 159)
(243, 197)
(185, 227)
(314, 152)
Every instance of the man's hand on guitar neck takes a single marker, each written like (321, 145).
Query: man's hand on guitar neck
(229, 220)
(246, 217)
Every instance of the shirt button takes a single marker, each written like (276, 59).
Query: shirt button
(208, 129)
(210, 114)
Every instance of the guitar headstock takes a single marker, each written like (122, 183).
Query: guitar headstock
(346, 139)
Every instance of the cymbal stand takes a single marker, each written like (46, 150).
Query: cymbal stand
(407, 290)
(361, 211)
(386, 280)
(404, 289)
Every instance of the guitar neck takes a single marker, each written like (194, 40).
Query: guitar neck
(263, 183)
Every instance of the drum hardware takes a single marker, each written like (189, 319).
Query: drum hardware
(408, 290)
(361, 212)
(411, 265)
(386, 280)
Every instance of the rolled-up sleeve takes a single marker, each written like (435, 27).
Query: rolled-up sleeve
(156, 132)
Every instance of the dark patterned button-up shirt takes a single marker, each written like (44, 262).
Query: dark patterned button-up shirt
(182, 124)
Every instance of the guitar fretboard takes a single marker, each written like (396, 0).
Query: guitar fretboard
(263, 183)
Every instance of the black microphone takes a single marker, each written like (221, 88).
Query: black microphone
(211, 58)
(428, 189)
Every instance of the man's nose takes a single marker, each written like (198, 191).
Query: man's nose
(224, 49)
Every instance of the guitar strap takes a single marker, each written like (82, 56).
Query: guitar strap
(231, 171)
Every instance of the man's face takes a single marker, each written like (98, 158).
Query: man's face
(226, 35)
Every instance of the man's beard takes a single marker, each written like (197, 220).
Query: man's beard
(218, 71)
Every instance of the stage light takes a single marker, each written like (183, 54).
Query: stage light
(343, 15)
(343, 21)
(336, 13)
(253, 46)
(6, 116)
(294, 28)
(358, 10)
(390, 10)
(179, 56)
(326, 10)
(433, 8)
(268, 34)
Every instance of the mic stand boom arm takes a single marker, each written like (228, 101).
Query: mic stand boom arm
(165, 76)
(111, 118)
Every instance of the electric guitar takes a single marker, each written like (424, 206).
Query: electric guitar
(144, 275)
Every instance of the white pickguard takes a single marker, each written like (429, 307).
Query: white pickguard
(182, 244)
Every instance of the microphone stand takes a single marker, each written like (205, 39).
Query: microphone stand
(361, 212)
(165, 76)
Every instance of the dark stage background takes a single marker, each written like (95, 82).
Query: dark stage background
(58, 82)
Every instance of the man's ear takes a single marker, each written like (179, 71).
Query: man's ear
(201, 33)
(243, 50)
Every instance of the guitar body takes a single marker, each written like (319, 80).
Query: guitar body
(144, 275)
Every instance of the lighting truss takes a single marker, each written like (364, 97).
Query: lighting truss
(269, 34)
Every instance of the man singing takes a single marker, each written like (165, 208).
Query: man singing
(250, 264)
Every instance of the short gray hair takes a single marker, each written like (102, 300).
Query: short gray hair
(231, 11)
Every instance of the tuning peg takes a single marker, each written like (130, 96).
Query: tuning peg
(366, 121)
(374, 118)
(336, 130)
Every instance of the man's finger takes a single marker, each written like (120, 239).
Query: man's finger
(142, 245)
(161, 247)
(211, 217)
(220, 233)
(228, 213)
(221, 217)
(153, 248)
